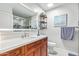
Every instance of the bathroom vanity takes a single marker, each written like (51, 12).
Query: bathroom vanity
(32, 47)
(23, 20)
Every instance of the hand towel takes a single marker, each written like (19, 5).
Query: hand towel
(67, 33)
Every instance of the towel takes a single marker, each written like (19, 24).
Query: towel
(67, 33)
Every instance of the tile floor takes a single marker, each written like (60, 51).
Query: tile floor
(60, 52)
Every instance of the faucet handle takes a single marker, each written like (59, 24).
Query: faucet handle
(26, 34)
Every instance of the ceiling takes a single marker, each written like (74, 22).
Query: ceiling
(22, 10)
(43, 6)
(46, 8)
(27, 9)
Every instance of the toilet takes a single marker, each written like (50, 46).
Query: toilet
(51, 46)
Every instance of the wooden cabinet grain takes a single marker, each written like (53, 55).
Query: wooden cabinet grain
(44, 48)
(37, 52)
(37, 48)
(15, 52)
(31, 54)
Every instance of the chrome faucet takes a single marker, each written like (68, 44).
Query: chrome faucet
(24, 35)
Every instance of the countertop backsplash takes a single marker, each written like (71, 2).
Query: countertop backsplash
(5, 35)
(11, 35)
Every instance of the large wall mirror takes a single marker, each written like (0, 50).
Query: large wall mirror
(23, 18)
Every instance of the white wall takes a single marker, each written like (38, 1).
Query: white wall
(54, 32)
(6, 17)
(78, 30)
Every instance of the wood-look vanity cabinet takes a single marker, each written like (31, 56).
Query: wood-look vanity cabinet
(37, 48)
(15, 52)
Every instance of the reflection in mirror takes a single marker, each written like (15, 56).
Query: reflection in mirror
(21, 23)
(34, 22)
(24, 23)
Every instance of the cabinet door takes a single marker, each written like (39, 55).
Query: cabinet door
(44, 48)
(37, 52)
(22, 51)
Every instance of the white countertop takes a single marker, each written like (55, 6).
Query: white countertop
(6, 45)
